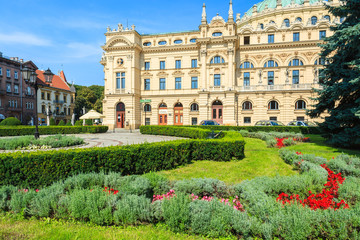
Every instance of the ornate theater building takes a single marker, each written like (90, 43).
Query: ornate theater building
(261, 66)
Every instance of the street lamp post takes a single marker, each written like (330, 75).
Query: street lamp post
(30, 77)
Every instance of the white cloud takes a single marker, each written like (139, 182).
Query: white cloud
(24, 38)
(83, 50)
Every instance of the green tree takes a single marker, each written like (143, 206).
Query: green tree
(340, 97)
(52, 122)
(61, 123)
(89, 97)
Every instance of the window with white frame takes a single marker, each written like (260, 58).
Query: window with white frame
(8, 73)
(16, 75)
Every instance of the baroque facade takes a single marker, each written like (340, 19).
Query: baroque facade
(260, 66)
(55, 98)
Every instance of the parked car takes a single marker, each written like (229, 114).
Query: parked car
(268, 123)
(302, 123)
(208, 123)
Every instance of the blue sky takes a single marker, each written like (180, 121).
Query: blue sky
(67, 34)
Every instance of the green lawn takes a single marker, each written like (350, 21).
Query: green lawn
(48, 229)
(259, 161)
(318, 147)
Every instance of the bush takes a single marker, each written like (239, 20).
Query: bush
(52, 122)
(88, 122)
(17, 168)
(50, 130)
(79, 123)
(61, 123)
(11, 121)
(68, 123)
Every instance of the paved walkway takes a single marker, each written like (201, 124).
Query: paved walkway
(110, 139)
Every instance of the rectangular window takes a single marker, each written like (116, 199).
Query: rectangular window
(178, 64)
(271, 38)
(178, 83)
(147, 121)
(273, 118)
(194, 82)
(162, 65)
(1, 71)
(295, 76)
(246, 79)
(48, 96)
(300, 118)
(69, 111)
(194, 121)
(42, 108)
(8, 73)
(270, 78)
(321, 76)
(246, 40)
(194, 63)
(120, 80)
(117, 80)
(162, 83)
(296, 36)
(8, 87)
(64, 98)
(247, 119)
(217, 80)
(147, 65)
(322, 35)
(16, 88)
(147, 84)
(43, 96)
(16, 75)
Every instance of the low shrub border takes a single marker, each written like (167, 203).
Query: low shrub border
(50, 130)
(37, 169)
(303, 130)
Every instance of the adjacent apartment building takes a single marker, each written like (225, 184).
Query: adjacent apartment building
(237, 71)
(55, 98)
(17, 99)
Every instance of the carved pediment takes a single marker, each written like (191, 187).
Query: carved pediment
(310, 55)
(146, 74)
(162, 74)
(178, 73)
(194, 72)
(283, 56)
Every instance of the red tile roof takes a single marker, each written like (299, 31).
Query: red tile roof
(57, 81)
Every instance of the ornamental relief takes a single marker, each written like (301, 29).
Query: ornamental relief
(147, 74)
(259, 58)
(194, 73)
(283, 56)
(178, 73)
(162, 74)
(309, 55)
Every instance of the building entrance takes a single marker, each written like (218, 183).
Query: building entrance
(217, 111)
(178, 114)
(163, 114)
(120, 115)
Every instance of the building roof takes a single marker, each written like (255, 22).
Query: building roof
(57, 81)
(271, 4)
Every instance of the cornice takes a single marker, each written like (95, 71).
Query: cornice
(171, 48)
(280, 45)
(122, 48)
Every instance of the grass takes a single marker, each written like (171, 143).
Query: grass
(12, 228)
(259, 161)
(318, 147)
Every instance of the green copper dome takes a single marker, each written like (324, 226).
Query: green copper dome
(261, 6)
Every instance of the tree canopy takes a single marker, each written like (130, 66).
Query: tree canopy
(89, 97)
(339, 98)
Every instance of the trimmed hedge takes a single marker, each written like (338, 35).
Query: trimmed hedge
(50, 130)
(11, 121)
(35, 169)
(303, 130)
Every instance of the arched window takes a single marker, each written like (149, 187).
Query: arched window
(193, 40)
(298, 19)
(261, 26)
(217, 59)
(163, 105)
(313, 20)
(147, 108)
(146, 44)
(247, 105)
(287, 22)
(178, 41)
(162, 43)
(247, 65)
(120, 107)
(300, 104)
(178, 105)
(296, 62)
(217, 34)
(273, 105)
(194, 107)
(321, 61)
(271, 21)
(327, 17)
(271, 63)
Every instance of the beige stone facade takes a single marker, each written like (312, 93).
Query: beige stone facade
(258, 67)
